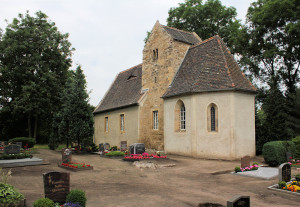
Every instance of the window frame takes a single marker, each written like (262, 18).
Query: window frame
(122, 123)
(155, 120)
(182, 117)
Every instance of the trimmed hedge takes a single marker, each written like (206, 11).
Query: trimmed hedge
(14, 156)
(24, 140)
(296, 141)
(275, 152)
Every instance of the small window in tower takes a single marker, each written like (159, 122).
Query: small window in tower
(155, 54)
(155, 79)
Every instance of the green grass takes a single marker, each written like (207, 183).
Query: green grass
(45, 146)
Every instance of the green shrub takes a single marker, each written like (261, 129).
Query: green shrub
(43, 202)
(275, 152)
(9, 195)
(14, 156)
(114, 148)
(296, 141)
(281, 184)
(237, 169)
(24, 140)
(115, 153)
(77, 196)
(297, 177)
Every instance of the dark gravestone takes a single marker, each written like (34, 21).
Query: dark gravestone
(123, 145)
(289, 156)
(137, 148)
(19, 143)
(66, 155)
(245, 161)
(56, 186)
(12, 149)
(101, 147)
(285, 172)
(106, 146)
(239, 201)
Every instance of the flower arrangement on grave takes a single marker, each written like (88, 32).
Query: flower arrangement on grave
(254, 166)
(75, 165)
(294, 163)
(294, 186)
(144, 156)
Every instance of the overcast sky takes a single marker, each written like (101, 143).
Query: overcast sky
(107, 34)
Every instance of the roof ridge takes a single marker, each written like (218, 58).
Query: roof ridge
(226, 64)
(130, 68)
(205, 41)
(178, 29)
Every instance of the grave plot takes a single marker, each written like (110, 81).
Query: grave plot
(67, 162)
(286, 183)
(144, 156)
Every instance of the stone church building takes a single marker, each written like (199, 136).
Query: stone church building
(188, 97)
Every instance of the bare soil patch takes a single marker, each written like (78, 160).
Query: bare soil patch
(187, 182)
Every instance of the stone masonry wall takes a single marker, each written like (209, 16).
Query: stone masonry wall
(162, 57)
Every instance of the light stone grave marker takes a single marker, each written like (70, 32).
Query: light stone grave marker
(284, 172)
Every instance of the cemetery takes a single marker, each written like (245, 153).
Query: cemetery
(178, 181)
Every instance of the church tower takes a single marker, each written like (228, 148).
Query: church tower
(162, 56)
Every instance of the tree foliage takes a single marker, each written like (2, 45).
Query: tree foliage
(270, 42)
(206, 19)
(34, 62)
(74, 121)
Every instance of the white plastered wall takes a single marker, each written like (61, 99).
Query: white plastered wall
(236, 131)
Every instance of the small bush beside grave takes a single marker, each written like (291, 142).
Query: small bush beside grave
(114, 153)
(275, 152)
(9, 195)
(77, 197)
(43, 202)
(296, 141)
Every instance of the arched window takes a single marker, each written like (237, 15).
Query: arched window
(212, 118)
(180, 116)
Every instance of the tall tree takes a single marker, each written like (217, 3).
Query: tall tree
(34, 61)
(270, 42)
(74, 122)
(206, 19)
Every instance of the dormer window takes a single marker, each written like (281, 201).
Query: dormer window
(155, 54)
(131, 77)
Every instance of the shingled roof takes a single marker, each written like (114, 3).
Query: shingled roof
(182, 36)
(125, 90)
(208, 66)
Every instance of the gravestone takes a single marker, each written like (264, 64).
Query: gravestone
(123, 145)
(239, 201)
(101, 147)
(137, 148)
(56, 186)
(19, 143)
(106, 146)
(66, 155)
(289, 156)
(12, 149)
(3, 143)
(285, 172)
(245, 161)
